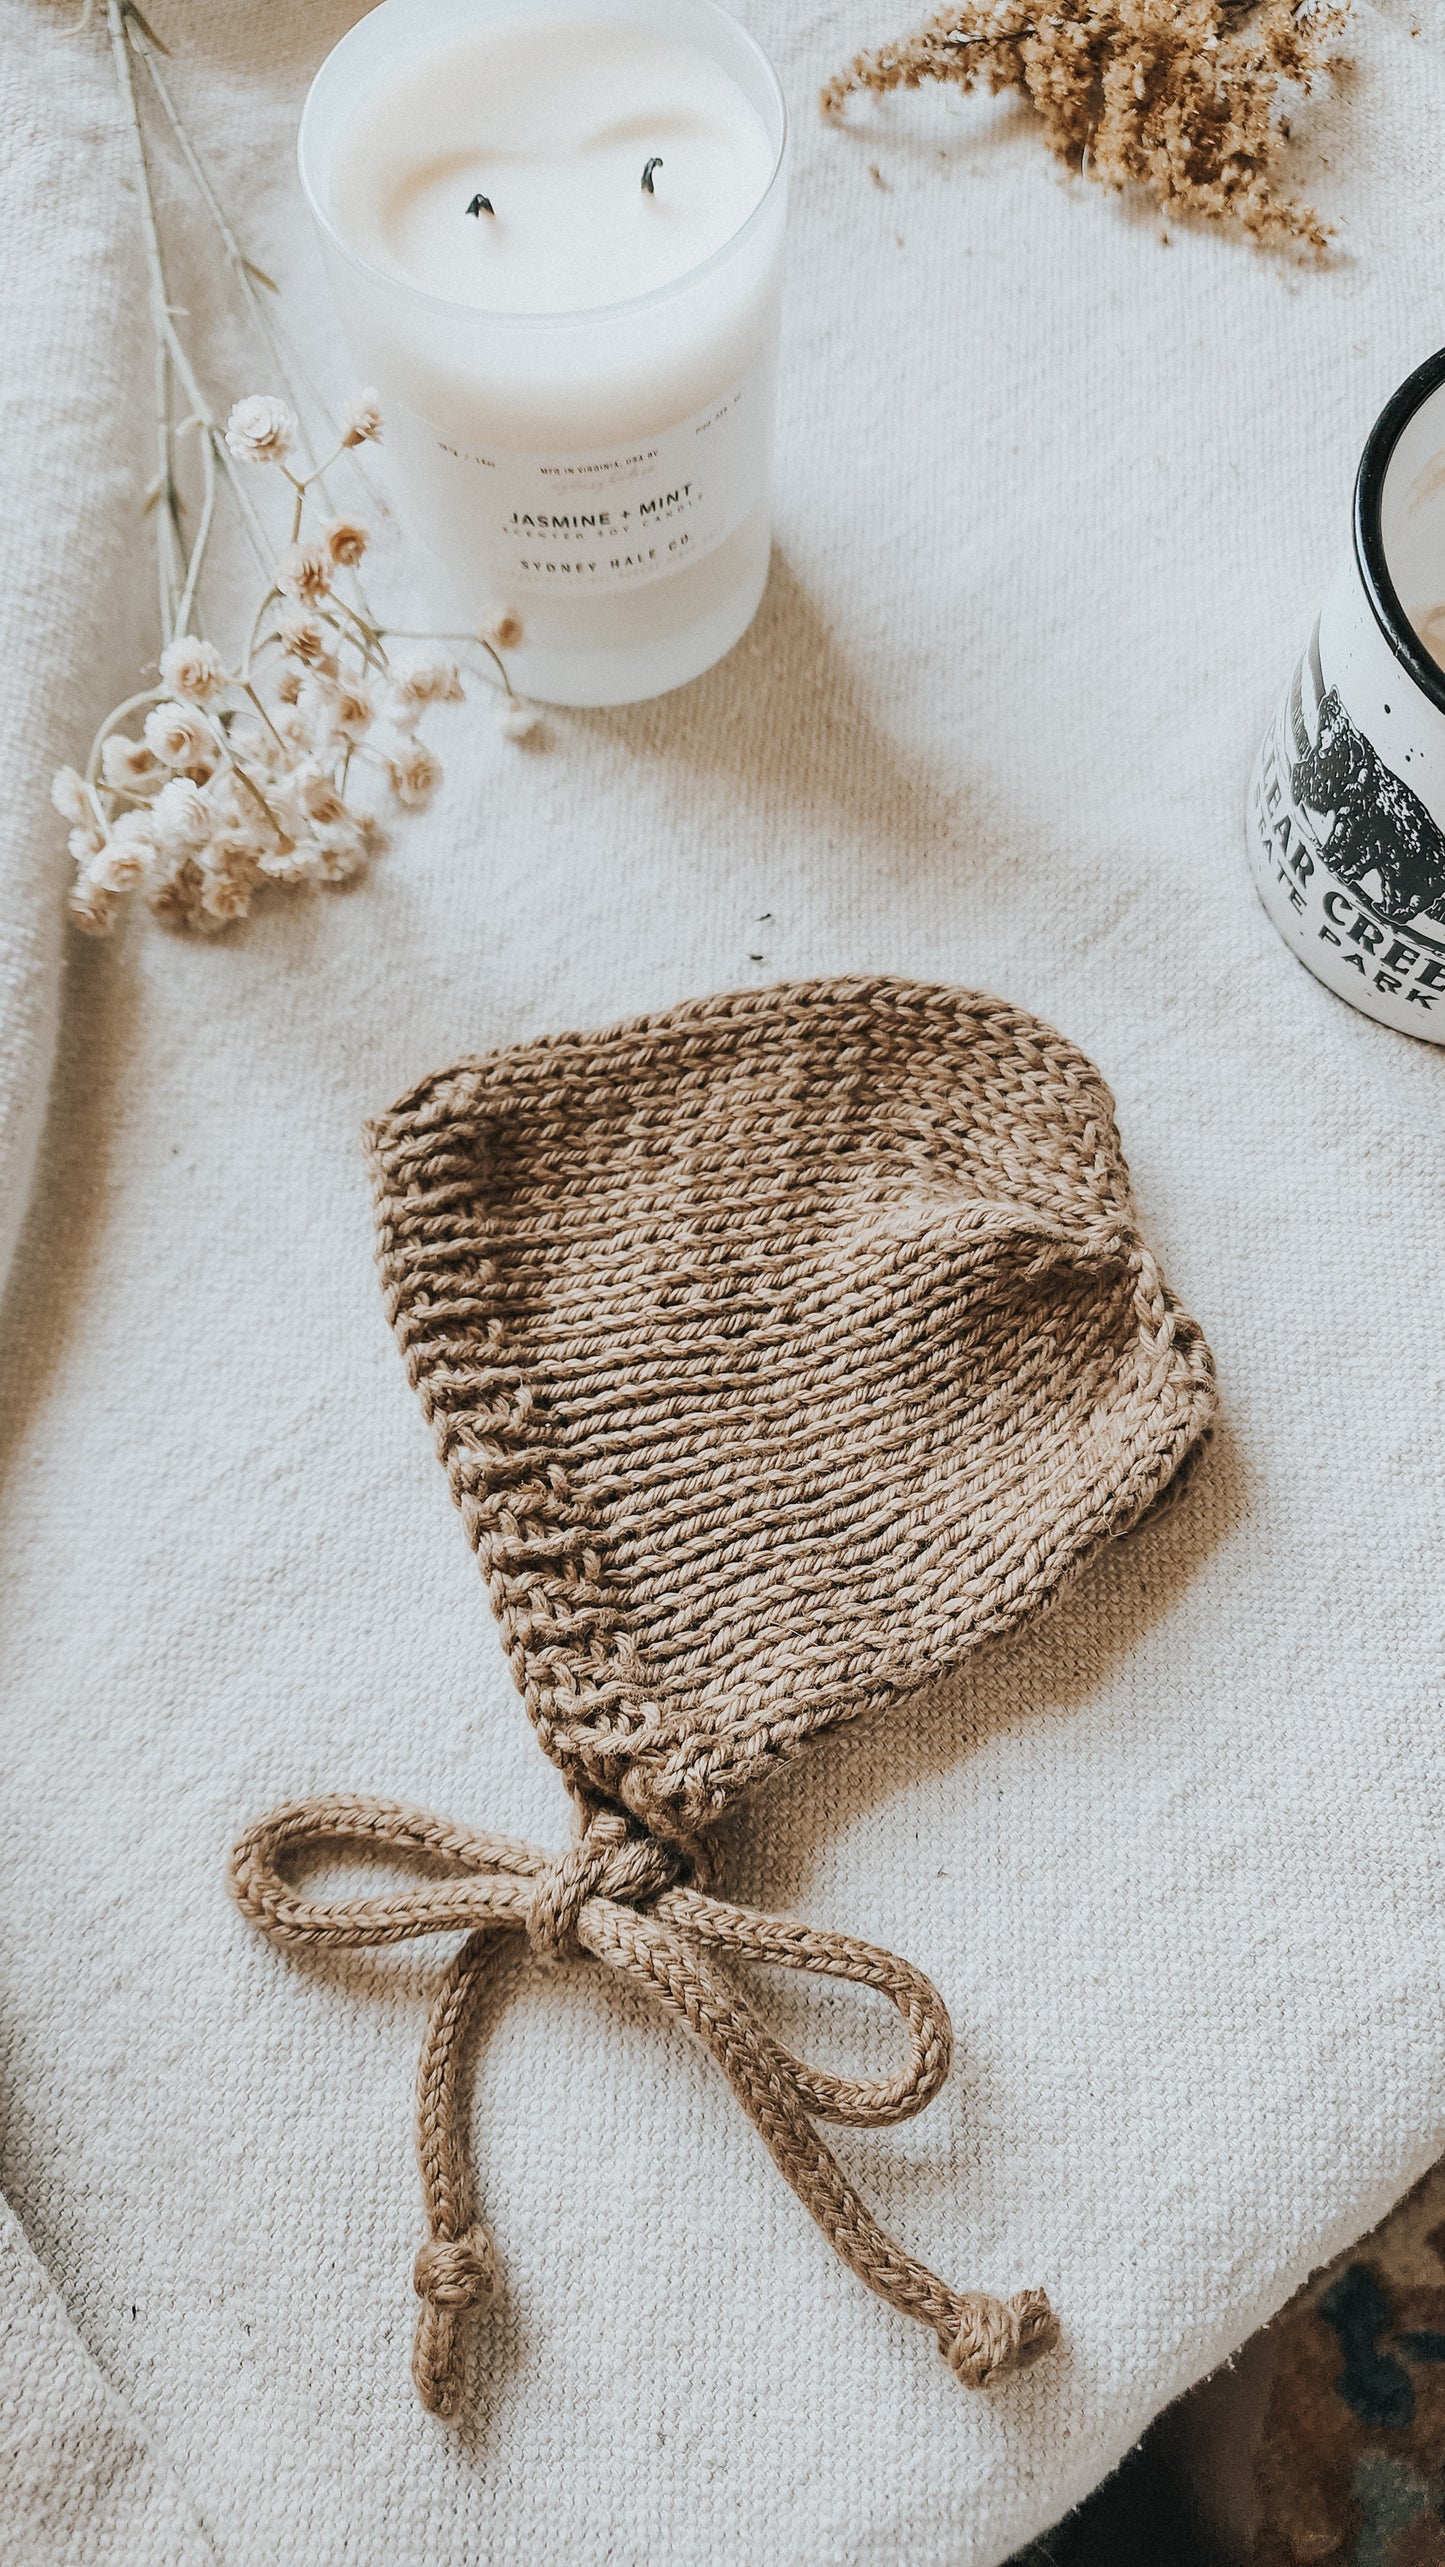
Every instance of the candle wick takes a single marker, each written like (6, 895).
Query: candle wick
(647, 186)
(481, 205)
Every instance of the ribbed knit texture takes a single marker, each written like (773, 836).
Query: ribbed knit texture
(779, 1349)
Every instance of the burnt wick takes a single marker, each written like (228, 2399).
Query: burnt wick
(482, 205)
(647, 186)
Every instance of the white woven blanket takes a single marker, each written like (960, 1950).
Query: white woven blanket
(1056, 505)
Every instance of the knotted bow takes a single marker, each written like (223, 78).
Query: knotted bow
(620, 1896)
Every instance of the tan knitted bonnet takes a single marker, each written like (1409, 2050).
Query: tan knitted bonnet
(779, 1350)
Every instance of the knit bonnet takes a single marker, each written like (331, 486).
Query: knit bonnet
(780, 1349)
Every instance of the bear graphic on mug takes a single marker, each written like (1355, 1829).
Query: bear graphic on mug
(1379, 826)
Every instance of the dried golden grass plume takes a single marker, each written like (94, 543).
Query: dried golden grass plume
(1181, 97)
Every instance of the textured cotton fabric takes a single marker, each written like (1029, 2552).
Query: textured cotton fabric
(1056, 506)
(82, 2484)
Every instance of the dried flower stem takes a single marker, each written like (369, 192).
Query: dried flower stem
(133, 704)
(170, 542)
(249, 278)
(476, 641)
(179, 575)
(241, 773)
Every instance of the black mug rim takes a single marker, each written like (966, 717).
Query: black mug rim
(1379, 588)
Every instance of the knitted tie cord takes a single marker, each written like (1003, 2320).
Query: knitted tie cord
(779, 1350)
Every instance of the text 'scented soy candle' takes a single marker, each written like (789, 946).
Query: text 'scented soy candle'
(555, 228)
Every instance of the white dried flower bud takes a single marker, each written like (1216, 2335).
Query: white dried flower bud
(434, 680)
(137, 825)
(92, 909)
(193, 668)
(415, 774)
(504, 631)
(314, 791)
(178, 736)
(261, 429)
(69, 796)
(226, 894)
(304, 572)
(288, 685)
(131, 854)
(119, 866)
(361, 420)
(126, 765)
(182, 818)
(521, 720)
(353, 712)
(325, 809)
(401, 711)
(304, 638)
(345, 541)
(340, 849)
(175, 895)
(234, 843)
(289, 865)
(295, 730)
(86, 840)
(236, 852)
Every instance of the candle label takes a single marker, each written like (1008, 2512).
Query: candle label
(618, 516)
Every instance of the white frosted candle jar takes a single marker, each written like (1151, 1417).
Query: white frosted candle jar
(555, 230)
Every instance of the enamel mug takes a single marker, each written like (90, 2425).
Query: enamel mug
(1347, 802)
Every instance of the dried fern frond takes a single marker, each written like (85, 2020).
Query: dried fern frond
(1181, 97)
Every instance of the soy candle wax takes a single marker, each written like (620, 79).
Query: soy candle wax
(555, 231)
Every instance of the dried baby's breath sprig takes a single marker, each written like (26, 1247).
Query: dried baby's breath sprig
(1179, 97)
(361, 420)
(193, 669)
(504, 631)
(92, 909)
(85, 840)
(304, 572)
(415, 774)
(305, 638)
(262, 429)
(249, 764)
(243, 774)
(179, 737)
(345, 541)
(72, 797)
(522, 721)
(418, 683)
(126, 765)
